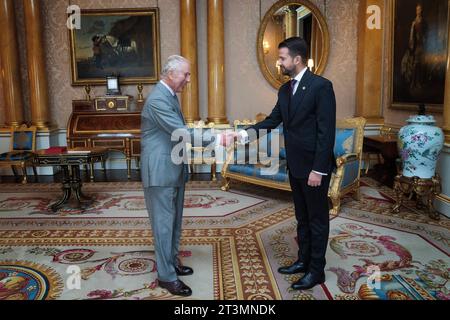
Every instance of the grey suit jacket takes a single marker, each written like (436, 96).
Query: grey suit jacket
(161, 116)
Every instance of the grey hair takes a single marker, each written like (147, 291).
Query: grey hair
(173, 63)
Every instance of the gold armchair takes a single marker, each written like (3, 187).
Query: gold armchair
(348, 152)
(22, 147)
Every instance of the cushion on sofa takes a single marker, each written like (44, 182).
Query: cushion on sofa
(276, 173)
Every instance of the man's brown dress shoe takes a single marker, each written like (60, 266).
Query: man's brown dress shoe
(177, 288)
(183, 270)
(296, 267)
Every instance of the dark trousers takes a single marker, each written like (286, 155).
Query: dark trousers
(312, 213)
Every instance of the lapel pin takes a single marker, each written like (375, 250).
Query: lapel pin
(304, 88)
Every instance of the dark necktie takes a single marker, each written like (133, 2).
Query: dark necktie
(291, 96)
(293, 83)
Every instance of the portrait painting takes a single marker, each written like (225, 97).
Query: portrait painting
(116, 42)
(420, 41)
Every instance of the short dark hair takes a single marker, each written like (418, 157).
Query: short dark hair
(297, 47)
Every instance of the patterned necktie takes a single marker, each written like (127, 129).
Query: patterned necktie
(293, 83)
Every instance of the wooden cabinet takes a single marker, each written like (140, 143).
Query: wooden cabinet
(112, 122)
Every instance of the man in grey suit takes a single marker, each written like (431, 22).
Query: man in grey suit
(163, 178)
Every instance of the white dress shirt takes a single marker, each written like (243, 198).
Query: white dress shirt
(167, 86)
(298, 78)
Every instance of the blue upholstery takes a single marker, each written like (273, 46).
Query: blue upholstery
(351, 173)
(262, 172)
(16, 156)
(344, 143)
(23, 140)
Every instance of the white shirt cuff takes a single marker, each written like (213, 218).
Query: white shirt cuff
(322, 174)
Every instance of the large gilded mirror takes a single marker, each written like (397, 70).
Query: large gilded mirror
(285, 19)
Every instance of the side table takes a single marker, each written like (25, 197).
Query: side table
(71, 161)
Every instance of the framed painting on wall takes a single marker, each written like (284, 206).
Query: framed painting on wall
(419, 53)
(120, 42)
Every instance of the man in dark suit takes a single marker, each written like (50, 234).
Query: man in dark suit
(307, 108)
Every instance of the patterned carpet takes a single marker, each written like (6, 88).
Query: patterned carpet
(234, 240)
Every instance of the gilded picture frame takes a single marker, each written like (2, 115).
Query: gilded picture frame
(418, 57)
(116, 42)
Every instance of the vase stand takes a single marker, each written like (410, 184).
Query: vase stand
(425, 190)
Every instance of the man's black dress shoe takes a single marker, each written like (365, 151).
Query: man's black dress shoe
(177, 288)
(308, 281)
(296, 267)
(183, 270)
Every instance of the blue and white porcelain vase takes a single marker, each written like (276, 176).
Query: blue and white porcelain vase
(420, 143)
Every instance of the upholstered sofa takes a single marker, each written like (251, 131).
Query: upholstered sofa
(273, 173)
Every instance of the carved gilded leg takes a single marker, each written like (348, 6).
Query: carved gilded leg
(399, 197)
(213, 171)
(129, 168)
(24, 172)
(336, 202)
(431, 211)
(226, 184)
(357, 194)
(367, 163)
(92, 171)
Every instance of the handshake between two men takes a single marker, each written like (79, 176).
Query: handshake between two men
(264, 148)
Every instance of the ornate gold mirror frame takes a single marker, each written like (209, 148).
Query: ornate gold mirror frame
(322, 44)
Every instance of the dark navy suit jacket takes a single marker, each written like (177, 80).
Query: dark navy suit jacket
(309, 125)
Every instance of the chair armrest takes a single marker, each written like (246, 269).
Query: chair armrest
(347, 158)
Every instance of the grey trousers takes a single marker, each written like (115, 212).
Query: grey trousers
(165, 208)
